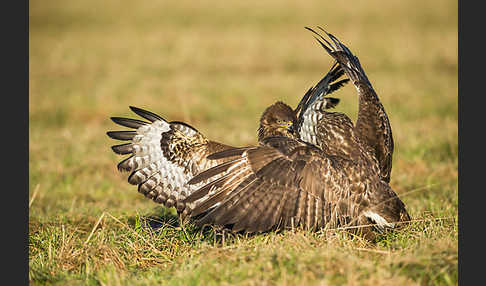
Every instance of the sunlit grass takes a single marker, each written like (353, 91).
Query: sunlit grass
(217, 66)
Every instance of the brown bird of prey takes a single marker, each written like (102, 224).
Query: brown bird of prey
(311, 169)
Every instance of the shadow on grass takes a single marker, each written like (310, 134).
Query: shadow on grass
(158, 219)
(165, 222)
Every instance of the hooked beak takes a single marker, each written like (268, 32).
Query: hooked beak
(289, 126)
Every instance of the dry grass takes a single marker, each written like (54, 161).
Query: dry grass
(217, 66)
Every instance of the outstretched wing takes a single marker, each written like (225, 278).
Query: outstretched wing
(332, 132)
(372, 126)
(164, 156)
(283, 183)
(316, 94)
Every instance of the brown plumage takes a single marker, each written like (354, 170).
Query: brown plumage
(312, 168)
(166, 155)
(163, 156)
(328, 173)
(276, 120)
(372, 125)
(286, 183)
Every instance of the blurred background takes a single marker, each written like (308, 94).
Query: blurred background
(216, 65)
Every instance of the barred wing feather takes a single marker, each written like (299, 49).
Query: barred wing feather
(286, 183)
(164, 156)
(372, 125)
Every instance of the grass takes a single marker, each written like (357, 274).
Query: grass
(217, 66)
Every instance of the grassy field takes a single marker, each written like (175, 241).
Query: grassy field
(217, 65)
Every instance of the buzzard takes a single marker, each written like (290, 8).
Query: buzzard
(312, 168)
(330, 173)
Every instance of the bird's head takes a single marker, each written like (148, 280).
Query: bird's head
(277, 120)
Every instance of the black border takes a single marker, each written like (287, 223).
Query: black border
(471, 193)
(15, 142)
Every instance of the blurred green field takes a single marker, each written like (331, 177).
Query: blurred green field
(217, 65)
